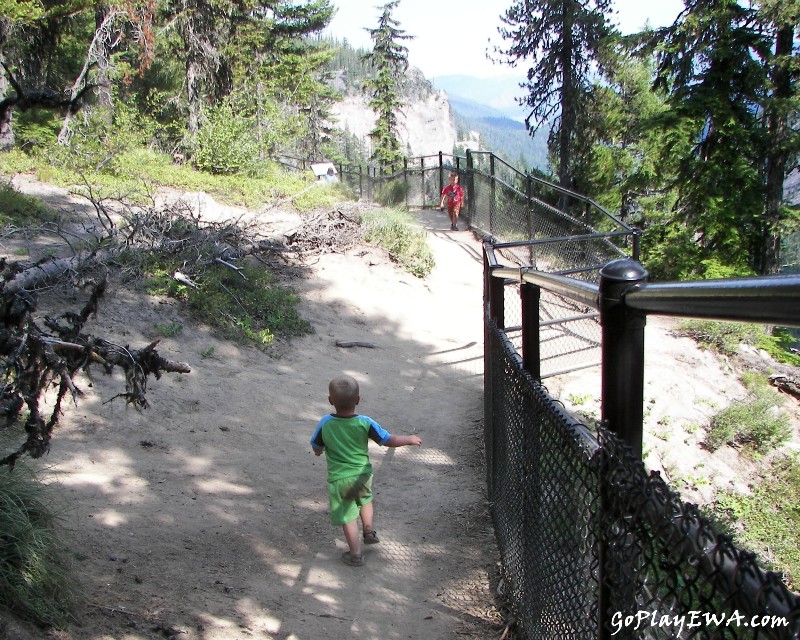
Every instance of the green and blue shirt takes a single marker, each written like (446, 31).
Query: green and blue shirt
(345, 442)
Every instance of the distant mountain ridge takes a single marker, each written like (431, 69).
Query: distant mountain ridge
(500, 93)
(450, 113)
(506, 137)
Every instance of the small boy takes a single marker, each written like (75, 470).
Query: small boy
(344, 438)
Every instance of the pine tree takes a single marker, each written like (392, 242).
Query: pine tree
(389, 60)
(224, 43)
(562, 39)
(782, 22)
(711, 68)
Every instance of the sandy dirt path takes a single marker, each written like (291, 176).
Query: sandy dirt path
(205, 516)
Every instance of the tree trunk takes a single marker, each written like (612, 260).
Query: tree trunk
(103, 64)
(193, 73)
(568, 105)
(777, 155)
(102, 42)
(6, 129)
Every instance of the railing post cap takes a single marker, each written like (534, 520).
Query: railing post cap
(624, 270)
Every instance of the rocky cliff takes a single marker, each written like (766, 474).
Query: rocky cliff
(427, 125)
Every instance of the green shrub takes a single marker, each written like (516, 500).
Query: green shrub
(35, 581)
(757, 423)
(768, 520)
(37, 128)
(394, 230)
(15, 161)
(169, 329)
(777, 346)
(392, 193)
(723, 337)
(255, 308)
(713, 269)
(20, 210)
(225, 144)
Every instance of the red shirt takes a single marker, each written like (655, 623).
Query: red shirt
(454, 194)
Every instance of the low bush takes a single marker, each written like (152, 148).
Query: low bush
(394, 230)
(722, 337)
(757, 423)
(253, 307)
(19, 210)
(35, 580)
(392, 193)
(768, 519)
(725, 338)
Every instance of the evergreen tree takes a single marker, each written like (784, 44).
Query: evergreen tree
(227, 43)
(47, 46)
(389, 60)
(711, 68)
(562, 40)
(782, 22)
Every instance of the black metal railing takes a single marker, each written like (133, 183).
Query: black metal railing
(533, 222)
(593, 546)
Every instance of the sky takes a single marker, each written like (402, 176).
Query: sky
(452, 36)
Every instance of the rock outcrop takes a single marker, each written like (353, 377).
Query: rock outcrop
(427, 125)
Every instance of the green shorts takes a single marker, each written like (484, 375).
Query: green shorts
(347, 496)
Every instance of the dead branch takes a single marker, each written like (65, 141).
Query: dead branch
(32, 361)
(327, 232)
(44, 97)
(365, 345)
(36, 358)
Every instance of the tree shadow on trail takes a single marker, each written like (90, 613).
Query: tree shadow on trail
(207, 513)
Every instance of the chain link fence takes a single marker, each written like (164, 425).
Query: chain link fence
(571, 234)
(592, 546)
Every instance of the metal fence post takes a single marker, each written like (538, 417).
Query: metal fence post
(492, 190)
(531, 351)
(529, 209)
(422, 181)
(405, 178)
(470, 188)
(622, 408)
(441, 172)
(637, 242)
(493, 309)
(622, 330)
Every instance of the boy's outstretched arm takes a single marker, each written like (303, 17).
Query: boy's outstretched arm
(403, 441)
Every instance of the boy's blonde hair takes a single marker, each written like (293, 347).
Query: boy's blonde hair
(343, 392)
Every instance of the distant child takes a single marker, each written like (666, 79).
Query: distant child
(454, 195)
(344, 438)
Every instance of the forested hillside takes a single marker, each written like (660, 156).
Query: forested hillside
(506, 138)
(425, 121)
(689, 138)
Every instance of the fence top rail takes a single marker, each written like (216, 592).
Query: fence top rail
(570, 238)
(578, 290)
(761, 299)
(559, 189)
(767, 299)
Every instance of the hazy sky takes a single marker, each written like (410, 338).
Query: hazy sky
(452, 36)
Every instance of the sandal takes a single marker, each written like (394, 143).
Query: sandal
(371, 537)
(352, 561)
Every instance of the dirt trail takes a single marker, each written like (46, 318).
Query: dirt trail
(205, 516)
